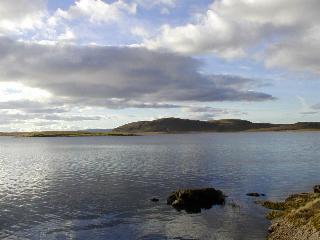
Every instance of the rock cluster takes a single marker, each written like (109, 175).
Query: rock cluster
(193, 200)
(296, 218)
(255, 194)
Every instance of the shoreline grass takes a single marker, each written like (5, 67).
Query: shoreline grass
(67, 134)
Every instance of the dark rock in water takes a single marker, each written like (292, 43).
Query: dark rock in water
(193, 200)
(316, 189)
(154, 200)
(254, 194)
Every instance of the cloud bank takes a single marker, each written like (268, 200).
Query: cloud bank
(133, 74)
(286, 31)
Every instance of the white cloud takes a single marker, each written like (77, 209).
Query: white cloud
(288, 30)
(154, 3)
(96, 11)
(19, 15)
(165, 11)
(139, 31)
(79, 19)
(13, 91)
(302, 53)
(67, 36)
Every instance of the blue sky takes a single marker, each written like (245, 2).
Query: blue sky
(77, 64)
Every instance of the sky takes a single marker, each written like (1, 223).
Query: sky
(80, 64)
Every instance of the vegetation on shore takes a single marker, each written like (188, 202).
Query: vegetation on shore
(298, 217)
(176, 125)
(65, 134)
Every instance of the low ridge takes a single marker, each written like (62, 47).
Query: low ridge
(174, 125)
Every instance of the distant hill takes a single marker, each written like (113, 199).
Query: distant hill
(166, 125)
(294, 127)
(175, 125)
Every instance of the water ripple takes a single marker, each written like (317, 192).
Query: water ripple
(99, 188)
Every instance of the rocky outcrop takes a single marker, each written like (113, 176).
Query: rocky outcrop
(177, 125)
(316, 189)
(255, 194)
(193, 200)
(297, 218)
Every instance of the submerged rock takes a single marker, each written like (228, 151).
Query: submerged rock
(254, 194)
(154, 200)
(193, 200)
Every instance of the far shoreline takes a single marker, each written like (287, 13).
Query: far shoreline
(50, 134)
(175, 126)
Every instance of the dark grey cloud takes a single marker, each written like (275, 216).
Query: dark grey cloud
(313, 110)
(316, 106)
(309, 113)
(28, 106)
(131, 74)
(119, 103)
(209, 113)
(55, 117)
(18, 118)
(6, 118)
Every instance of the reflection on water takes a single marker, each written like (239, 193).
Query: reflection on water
(99, 187)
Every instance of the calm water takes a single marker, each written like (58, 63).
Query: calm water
(99, 187)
